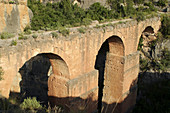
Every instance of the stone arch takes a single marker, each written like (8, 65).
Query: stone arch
(110, 65)
(41, 76)
(148, 33)
(59, 66)
(57, 82)
(147, 36)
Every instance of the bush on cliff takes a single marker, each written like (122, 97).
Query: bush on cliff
(1, 73)
(64, 13)
(6, 35)
(165, 26)
(162, 3)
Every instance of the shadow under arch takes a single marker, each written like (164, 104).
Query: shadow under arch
(149, 29)
(37, 73)
(109, 63)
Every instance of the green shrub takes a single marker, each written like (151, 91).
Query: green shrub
(11, 2)
(165, 26)
(82, 30)
(165, 60)
(31, 104)
(22, 37)
(76, 24)
(54, 35)
(13, 43)
(64, 31)
(151, 6)
(159, 35)
(27, 29)
(34, 36)
(4, 104)
(157, 66)
(1, 73)
(86, 21)
(97, 26)
(55, 109)
(138, 1)
(98, 12)
(162, 3)
(6, 35)
(28, 32)
(140, 45)
(144, 65)
(64, 13)
(140, 16)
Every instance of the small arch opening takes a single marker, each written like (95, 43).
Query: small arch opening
(149, 29)
(146, 38)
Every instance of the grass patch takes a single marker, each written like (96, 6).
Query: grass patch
(54, 34)
(22, 37)
(82, 30)
(11, 2)
(6, 35)
(1, 73)
(64, 31)
(13, 43)
(34, 36)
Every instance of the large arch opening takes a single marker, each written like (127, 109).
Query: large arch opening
(40, 77)
(35, 73)
(109, 63)
(100, 66)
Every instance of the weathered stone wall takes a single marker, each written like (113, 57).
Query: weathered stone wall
(14, 17)
(79, 52)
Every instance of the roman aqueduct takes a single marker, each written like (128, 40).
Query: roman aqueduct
(97, 68)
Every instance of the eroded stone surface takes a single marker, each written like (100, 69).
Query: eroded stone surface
(14, 17)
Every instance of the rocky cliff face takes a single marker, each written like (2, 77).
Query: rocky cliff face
(14, 15)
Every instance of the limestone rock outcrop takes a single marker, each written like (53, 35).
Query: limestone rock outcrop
(14, 15)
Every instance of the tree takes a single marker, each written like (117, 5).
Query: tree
(1, 73)
(165, 28)
(138, 1)
(130, 9)
(162, 3)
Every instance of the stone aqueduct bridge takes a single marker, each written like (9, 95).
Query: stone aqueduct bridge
(79, 62)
